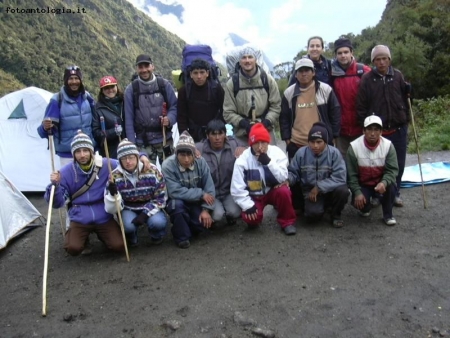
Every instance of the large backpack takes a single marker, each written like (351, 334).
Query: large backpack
(192, 52)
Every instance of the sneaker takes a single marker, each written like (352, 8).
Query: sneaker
(156, 241)
(390, 221)
(184, 244)
(398, 202)
(364, 214)
(290, 230)
(87, 248)
(375, 202)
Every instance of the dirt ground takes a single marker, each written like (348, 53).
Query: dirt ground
(364, 280)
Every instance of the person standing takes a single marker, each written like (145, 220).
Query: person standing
(109, 105)
(145, 115)
(200, 101)
(384, 92)
(372, 169)
(346, 76)
(68, 111)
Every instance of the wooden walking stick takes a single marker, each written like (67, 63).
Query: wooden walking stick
(253, 110)
(418, 153)
(52, 156)
(47, 240)
(164, 113)
(102, 122)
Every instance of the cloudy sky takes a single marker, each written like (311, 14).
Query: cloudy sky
(280, 28)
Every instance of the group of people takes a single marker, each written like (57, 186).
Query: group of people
(344, 125)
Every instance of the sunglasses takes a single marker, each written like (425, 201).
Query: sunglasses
(73, 68)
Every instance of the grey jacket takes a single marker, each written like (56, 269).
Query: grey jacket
(186, 184)
(222, 171)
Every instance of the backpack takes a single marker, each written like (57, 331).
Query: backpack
(161, 89)
(236, 86)
(192, 52)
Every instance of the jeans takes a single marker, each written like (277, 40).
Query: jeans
(386, 200)
(185, 219)
(156, 224)
(399, 140)
(225, 205)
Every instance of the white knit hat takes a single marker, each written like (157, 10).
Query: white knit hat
(379, 51)
(81, 140)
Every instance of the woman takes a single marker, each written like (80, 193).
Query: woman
(109, 106)
(322, 66)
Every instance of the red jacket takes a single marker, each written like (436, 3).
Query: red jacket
(346, 85)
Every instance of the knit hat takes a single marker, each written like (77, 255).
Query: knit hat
(342, 42)
(318, 131)
(248, 50)
(380, 50)
(72, 70)
(185, 143)
(372, 119)
(304, 62)
(143, 58)
(126, 148)
(258, 133)
(106, 81)
(81, 140)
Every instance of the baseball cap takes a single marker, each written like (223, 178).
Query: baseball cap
(304, 62)
(143, 58)
(372, 119)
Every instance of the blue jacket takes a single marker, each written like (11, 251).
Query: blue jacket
(88, 208)
(75, 114)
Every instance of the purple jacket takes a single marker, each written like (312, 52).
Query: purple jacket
(88, 208)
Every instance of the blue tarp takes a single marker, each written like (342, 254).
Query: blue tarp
(433, 173)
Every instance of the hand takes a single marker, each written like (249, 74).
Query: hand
(197, 154)
(164, 121)
(286, 183)
(380, 188)
(267, 124)
(251, 214)
(209, 199)
(408, 88)
(245, 124)
(118, 129)
(146, 162)
(47, 124)
(112, 188)
(287, 142)
(140, 219)
(360, 202)
(313, 194)
(55, 177)
(264, 159)
(205, 219)
(238, 152)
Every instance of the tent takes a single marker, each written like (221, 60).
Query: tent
(24, 156)
(17, 214)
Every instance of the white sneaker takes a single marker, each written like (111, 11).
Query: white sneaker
(390, 221)
(364, 214)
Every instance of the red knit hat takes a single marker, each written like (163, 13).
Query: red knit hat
(258, 133)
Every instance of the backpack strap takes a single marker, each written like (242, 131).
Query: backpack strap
(86, 186)
(359, 69)
(264, 80)
(161, 89)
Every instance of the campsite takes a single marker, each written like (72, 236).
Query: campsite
(364, 280)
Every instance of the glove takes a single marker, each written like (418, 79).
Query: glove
(245, 124)
(118, 129)
(112, 188)
(264, 159)
(252, 210)
(140, 219)
(267, 124)
(408, 89)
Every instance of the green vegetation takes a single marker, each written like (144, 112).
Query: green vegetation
(8, 83)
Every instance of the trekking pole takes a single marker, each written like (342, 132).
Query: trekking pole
(418, 153)
(119, 216)
(164, 114)
(52, 156)
(253, 110)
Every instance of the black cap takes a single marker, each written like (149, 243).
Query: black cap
(143, 58)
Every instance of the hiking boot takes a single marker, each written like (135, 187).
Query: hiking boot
(390, 221)
(290, 230)
(338, 223)
(184, 244)
(398, 202)
(364, 214)
(156, 241)
(87, 248)
(375, 202)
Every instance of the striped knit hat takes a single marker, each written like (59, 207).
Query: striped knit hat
(185, 143)
(126, 148)
(81, 140)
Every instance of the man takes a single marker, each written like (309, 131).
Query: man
(200, 101)
(68, 111)
(141, 194)
(191, 191)
(145, 114)
(83, 182)
(220, 153)
(304, 103)
(257, 181)
(372, 169)
(251, 96)
(320, 170)
(346, 76)
(383, 92)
